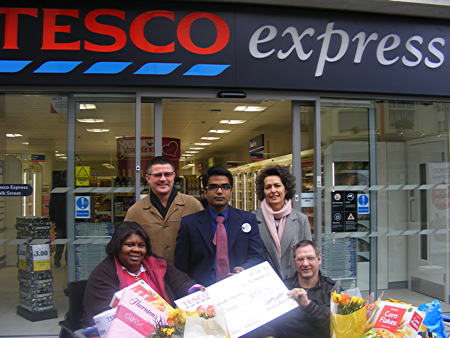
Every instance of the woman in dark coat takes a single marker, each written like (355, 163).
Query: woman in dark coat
(130, 259)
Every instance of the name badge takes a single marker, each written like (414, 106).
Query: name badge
(246, 227)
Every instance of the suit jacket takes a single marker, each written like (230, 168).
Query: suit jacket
(162, 231)
(194, 252)
(296, 229)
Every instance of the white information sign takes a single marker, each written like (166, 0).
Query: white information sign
(248, 299)
(307, 199)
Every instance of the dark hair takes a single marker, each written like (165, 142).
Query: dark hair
(158, 160)
(283, 173)
(122, 232)
(304, 243)
(216, 171)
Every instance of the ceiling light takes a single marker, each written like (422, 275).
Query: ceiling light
(210, 138)
(187, 166)
(60, 155)
(108, 165)
(232, 121)
(25, 143)
(63, 158)
(219, 131)
(196, 148)
(97, 130)
(87, 106)
(250, 108)
(187, 155)
(91, 120)
(427, 2)
(202, 143)
(191, 152)
(13, 135)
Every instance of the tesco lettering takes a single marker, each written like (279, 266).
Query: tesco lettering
(92, 22)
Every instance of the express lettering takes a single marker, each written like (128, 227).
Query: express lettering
(260, 46)
(136, 33)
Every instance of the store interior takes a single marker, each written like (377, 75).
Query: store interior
(200, 133)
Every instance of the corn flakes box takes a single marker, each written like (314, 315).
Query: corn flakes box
(396, 320)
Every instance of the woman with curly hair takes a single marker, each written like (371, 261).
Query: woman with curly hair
(281, 227)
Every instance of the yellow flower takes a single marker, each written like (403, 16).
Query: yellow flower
(337, 298)
(168, 331)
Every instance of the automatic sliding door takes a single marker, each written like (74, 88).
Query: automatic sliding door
(104, 176)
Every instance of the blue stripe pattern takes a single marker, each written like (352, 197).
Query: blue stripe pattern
(12, 66)
(104, 67)
(112, 67)
(206, 70)
(157, 68)
(57, 67)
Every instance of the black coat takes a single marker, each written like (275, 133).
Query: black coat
(312, 321)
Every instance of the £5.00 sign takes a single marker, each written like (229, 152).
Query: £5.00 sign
(41, 257)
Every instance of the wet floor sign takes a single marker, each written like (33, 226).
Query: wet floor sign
(82, 175)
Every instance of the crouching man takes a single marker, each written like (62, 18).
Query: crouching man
(312, 292)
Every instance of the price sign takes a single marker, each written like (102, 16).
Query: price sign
(41, 257)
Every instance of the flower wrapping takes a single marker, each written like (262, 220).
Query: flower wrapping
(200, 327)
(348, 314)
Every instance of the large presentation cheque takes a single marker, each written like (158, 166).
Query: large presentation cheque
(248, 299)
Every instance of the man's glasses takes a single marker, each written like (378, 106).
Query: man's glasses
(167, 174)
(216, 187)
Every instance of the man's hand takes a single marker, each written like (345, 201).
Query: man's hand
(300, 296)
(236, 270)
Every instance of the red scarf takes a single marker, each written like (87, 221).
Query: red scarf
(155, 272)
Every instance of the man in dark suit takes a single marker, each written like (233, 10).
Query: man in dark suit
(203, 250)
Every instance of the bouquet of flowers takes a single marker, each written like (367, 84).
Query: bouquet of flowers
(202, 322)
(348, 314)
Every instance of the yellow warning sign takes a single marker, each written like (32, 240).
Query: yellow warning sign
(82, 175)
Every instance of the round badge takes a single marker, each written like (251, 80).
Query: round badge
(246, 227)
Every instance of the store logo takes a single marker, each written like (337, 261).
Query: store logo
(103, 25)
(390, 49)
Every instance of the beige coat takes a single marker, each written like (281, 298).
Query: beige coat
(163, 232)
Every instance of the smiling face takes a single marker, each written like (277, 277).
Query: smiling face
(274, 192)
(132, 253)
(160, 178)
(218, 198)
(307, 262)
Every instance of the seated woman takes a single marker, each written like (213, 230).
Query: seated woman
(130, 259)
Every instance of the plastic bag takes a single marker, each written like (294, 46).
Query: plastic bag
(433, 318)
(352, 324)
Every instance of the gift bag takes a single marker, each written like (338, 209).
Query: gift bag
(348, 315)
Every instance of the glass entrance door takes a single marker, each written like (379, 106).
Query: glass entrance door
(105, 172)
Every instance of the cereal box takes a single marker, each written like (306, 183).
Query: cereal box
(397, 320)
